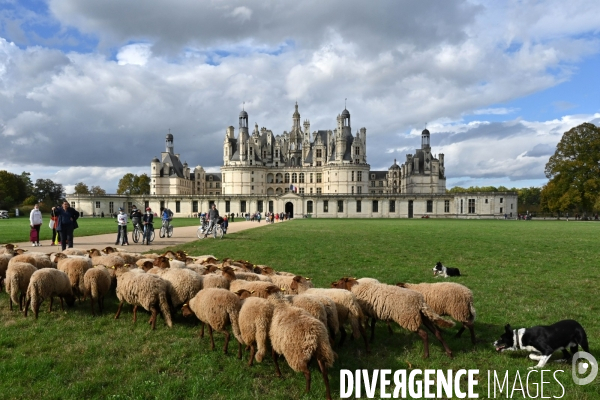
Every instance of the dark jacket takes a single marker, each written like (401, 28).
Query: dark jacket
(66, 217)
(148, 218)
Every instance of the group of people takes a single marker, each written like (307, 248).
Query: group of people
(145, 221)
(63, 222)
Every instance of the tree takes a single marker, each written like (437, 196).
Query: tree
(574, 171)
(97, 191)
(13, 189)
(48, 191)
(26, 178)
(133, 184)
(81, 188)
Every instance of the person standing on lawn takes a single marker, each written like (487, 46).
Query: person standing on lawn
(35, 221)
(55, 233)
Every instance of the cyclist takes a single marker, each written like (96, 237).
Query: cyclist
(136, 216)
(147, 220)
(166, 216)
(213, 215)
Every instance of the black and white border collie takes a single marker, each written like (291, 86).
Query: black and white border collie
(542, 341)
(444, 271)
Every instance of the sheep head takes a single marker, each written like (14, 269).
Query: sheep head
(161, 262)
(109, 250)
(94, 252)
(228, 273)
(20, 251)
(186, 310)
(344, 283)
(272, 289)
(210, 268)
(244, 294)
(58, 257)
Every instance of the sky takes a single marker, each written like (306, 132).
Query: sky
(89, 89)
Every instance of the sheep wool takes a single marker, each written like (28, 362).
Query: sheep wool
(142, 289)
(255, 322)
(299, 337)
(258, 287)
(17, 281)
(451, 299)
(218, 308)
(75, 268)
(184, 284)
(96, 284)
(47, 283)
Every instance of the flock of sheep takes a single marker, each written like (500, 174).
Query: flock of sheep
(262, 305)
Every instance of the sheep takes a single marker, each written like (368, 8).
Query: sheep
(4, 260)
(251, 276)
(23, 258)
(347, 307)
(141, 261)
(75, 268)
(96, 284)
(331, 311)
(74, 252)
(257, 287)
(310, 304)
(448, 298)
(164, 262)
(299, 337)
(17, 280)
(108, 260)
(184, 284)
(407, 308)
(285, 281)
(8, 249)
(254, 322)
(48, 282)
(214, 280)
(141, 289)
(128, 258)
(199, 269)
(217, 308)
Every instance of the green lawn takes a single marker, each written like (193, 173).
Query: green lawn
(16, 230)
(523, 272)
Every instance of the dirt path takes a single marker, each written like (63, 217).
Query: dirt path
(181, 235)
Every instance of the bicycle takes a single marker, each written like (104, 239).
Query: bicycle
(150, 238)
(216, 231)
(138, 232)
(166, 229)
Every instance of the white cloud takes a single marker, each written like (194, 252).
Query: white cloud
(136, 54)
(242, 13)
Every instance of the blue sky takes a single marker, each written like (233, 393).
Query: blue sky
(88, 89)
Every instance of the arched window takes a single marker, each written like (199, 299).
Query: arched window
(294, 178)
(293, 162)
(301, 178)
(287, 177)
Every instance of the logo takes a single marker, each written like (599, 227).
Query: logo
(582, 364)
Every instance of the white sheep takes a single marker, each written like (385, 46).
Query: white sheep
(405, 307)
(18, 276)
(47, 283)
(184, 284)
(449, 298)
(218, 308)
(96, 284)
(141, 289)
(254, 322)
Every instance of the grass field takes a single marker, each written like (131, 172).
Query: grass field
(522, 272)
(16, 230)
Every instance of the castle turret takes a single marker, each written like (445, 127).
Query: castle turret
(169, 144)
(243, 136)
(425, 140)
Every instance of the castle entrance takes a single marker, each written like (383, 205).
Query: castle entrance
(289, 209)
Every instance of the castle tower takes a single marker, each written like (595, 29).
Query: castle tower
(243, 136)
(227, 146)
(425, 140)
(169, 143)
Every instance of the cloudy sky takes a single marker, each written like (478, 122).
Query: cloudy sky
(89, 89)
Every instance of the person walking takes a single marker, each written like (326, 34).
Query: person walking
(67, 223)
(35, 221)
(122, 233)
(213, 215)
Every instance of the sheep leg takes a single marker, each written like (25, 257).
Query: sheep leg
(363, 333)
(277, 371)
(438, 335)
(472, 330)
(239, 355)
(201, 330)
(92, 303)
(425, 338)
(306, 372)
(252, 352)
(460, 331)
(21, 301)
(119, 310)
(389, 325)
(134, 314)
(212, 341)
(27, 306)
(226, 333)
(154, 315)
(373, 320)
(51, 299)
(10, 302)
(62, 306)
(323, 369)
